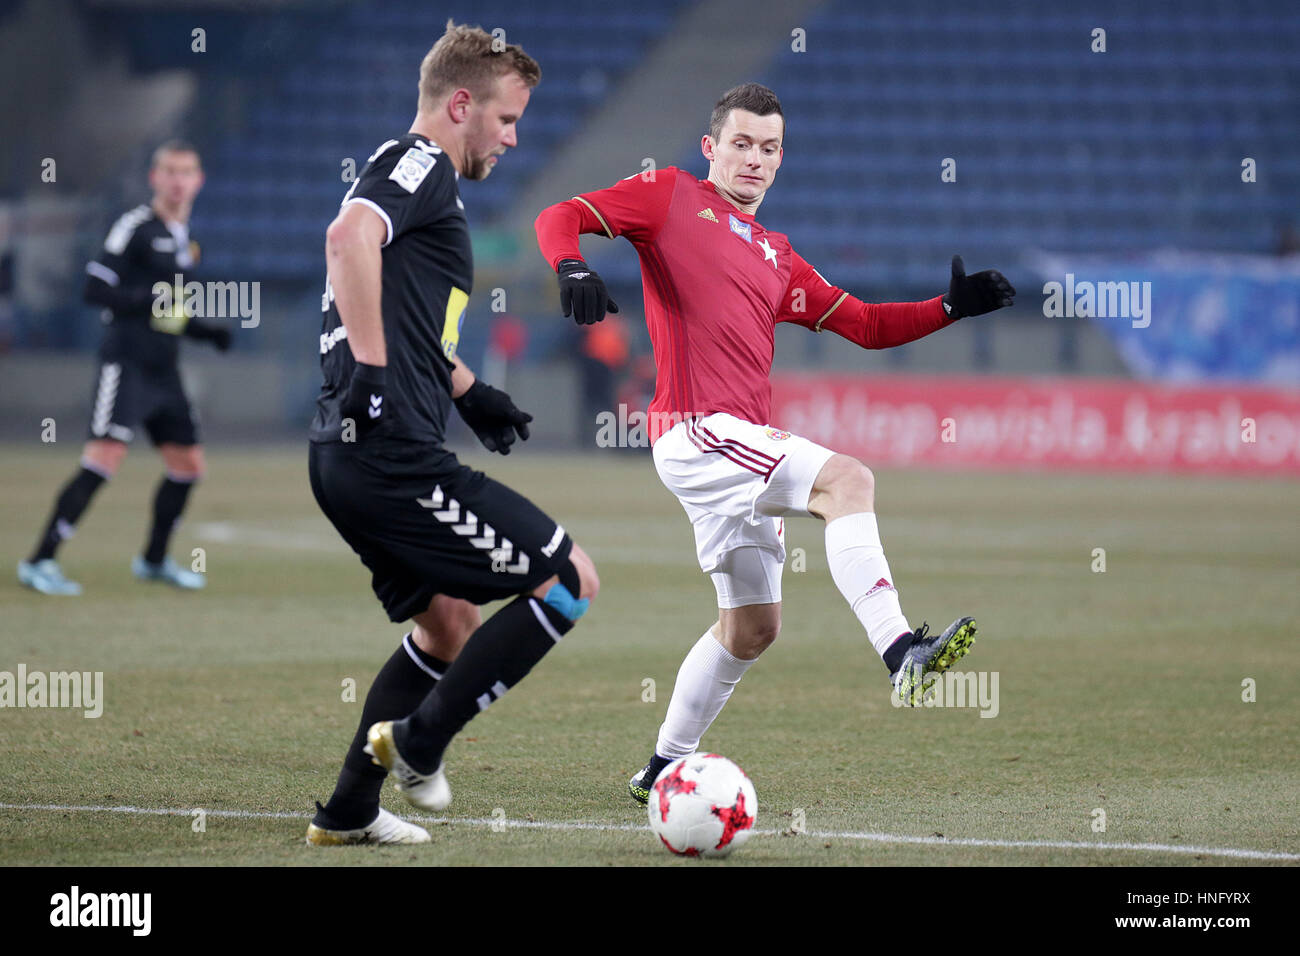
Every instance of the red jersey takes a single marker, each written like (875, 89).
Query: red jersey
(716, 283)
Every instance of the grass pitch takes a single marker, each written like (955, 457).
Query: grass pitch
(1119, 691)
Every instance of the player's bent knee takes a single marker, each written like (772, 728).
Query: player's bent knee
(848, 480)
(852, 475)
(761, 638)
(451, 618)
(588, 580)
(562, 600)
(768, 630)
(749, 642)
(103, 457)
(571, 595)
(444, 628)
(184, 462)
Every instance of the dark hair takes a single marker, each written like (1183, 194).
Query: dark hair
(473, 58)
(750, 97)
(174, 146)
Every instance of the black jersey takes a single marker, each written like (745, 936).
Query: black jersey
(140, 250)
(427, 271)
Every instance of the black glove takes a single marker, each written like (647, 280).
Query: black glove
(363, 402)
(977, 294)
(218, 335)
(582, 292)
(493, 416)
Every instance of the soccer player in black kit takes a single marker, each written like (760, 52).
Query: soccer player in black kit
(138, 382)
(438, 538)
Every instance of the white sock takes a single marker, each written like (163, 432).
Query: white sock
(704, 682)
(862, 574)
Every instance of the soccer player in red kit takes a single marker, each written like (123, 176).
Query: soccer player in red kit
(716, 283)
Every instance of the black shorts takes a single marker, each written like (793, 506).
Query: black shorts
(128, 395)
(425, 524)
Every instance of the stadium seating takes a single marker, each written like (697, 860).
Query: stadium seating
(274, 186)
(1057, 147)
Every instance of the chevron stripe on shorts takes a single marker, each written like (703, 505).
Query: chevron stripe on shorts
(505, 556)
(110, 376)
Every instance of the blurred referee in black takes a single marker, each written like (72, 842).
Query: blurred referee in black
(139, 381)
(437, 537)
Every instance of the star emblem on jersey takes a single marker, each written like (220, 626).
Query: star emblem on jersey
(481, 534)
(768, 251)
(707, 213)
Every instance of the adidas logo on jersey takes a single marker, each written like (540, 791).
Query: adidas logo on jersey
(707, 213)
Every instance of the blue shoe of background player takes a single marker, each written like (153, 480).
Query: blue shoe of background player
(47, 577)
(168, 571)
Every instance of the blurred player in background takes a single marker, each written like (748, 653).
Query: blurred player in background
(439, 538)
(716, 283)
(139, 381)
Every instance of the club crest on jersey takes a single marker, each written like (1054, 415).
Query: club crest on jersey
(741, 229)
(776, 434)
(411, 169)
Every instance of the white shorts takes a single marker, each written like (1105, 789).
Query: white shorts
(737, 482)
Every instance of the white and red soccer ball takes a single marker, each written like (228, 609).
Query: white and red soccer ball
(702, 805)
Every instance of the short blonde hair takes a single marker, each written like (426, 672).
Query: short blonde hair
(473, 58)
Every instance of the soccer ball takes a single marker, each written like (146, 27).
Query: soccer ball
(702, 805)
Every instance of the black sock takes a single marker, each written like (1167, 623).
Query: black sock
(168, 503)
(68, 508)
(657, 764)
(398, 689)
(497, 656)
(894, 653)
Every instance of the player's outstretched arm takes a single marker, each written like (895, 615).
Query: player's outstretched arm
(814, 303)
(488, 411)
(975, 295)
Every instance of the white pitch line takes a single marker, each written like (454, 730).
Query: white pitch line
(1232, 852)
